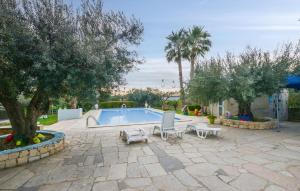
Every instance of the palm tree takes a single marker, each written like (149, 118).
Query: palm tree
(197, 43)
(174, 52)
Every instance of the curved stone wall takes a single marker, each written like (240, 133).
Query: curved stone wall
(249, 124)
(30, 153)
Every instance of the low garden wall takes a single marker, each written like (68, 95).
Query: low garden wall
(66, 114)
(249, 124)
(30, 153)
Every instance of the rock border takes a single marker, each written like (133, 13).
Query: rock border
(23, 155)
(249, 124)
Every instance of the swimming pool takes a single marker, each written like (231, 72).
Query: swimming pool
(114, 117)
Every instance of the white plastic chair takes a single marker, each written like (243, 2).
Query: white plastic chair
(167, 126)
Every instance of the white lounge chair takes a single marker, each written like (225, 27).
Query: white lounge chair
(167, 126)
(134, 135)
(203, 130)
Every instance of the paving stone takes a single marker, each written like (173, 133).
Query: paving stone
(170, 163)
(133, 170)
(81, 184)
(18, 180)
(277, 178)
(274, 188)
(182, 158)
(110, 158)
(74, 160)
(89, 160)
(117, 171)
(295, 170)
(198, 160)
(123, 157)
(192, 155)
(62, 174)
(151, 188)
(202, 169)
(132, 157)
(147, 160)
(231, 170)
(85, 171)
(100, 179)
(7, 174)
(225, 179)
(158, 152)
(38, 180)
(155, 170)
(168, 182)
(277, 166)
(101, 172)
(26, 189)
(63, 186)
(138, 182)
(185, 178)
(215, 184)
(286, 173)
(144, 173)
(148, 151)
(255, 159)
(107, 186)
(249, 182)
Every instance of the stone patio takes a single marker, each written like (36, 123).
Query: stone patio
(97, 159)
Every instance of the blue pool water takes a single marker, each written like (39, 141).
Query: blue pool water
(113, 117)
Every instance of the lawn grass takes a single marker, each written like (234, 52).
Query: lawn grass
(4, 124)
(49, 121)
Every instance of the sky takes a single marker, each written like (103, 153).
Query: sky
(233, 24)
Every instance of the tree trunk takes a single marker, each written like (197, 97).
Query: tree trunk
(73, 103)
(192, 68)
(181, 81)
(16, 115)
(24, 124)
(245, 108)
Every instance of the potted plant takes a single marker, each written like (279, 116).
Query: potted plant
(211, 119)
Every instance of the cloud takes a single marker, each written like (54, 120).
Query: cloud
(151, 73)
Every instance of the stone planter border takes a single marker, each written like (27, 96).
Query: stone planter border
(249, 124)
(30, 153)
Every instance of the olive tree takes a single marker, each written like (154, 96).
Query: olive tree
(251, 74)
(210, 83)
(255, 73)
(48, 50)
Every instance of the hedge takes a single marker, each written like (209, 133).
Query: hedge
(117, 104)
(193, 107)
(294, 114)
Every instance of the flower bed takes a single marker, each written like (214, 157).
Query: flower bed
(30, 153)
(269, 124)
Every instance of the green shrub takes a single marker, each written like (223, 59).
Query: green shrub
(117, 104)
(193, 107)
(211, 119)
(172, 103)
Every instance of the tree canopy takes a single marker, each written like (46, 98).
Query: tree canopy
(251, 74)
(48, 49)
(197, 43)
(152, 96)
